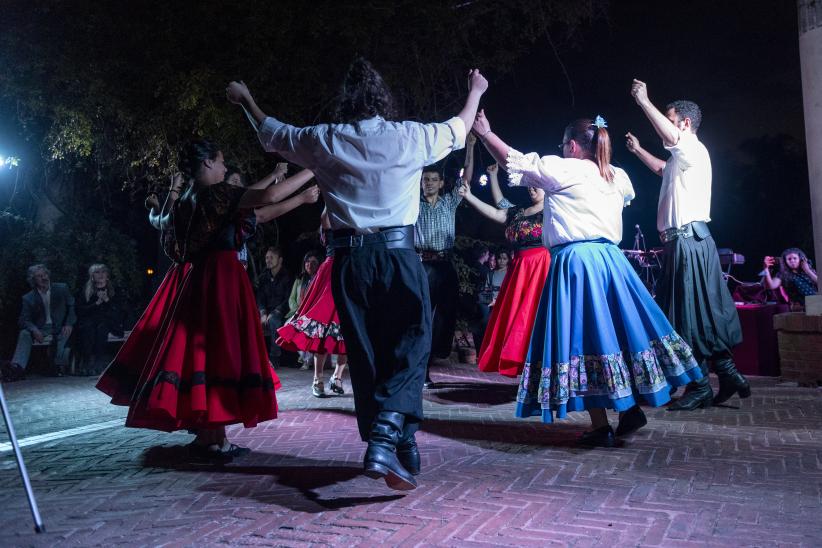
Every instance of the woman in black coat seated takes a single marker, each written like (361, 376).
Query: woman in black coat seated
(98, 314)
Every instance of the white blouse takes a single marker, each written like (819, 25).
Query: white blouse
(369, 172)
(579, 203)
(685, 195)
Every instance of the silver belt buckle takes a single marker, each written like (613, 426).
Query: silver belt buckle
(356, 240)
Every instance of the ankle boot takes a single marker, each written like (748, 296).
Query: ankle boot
(731, 381)
(408, 453)
(381, 456)
(697, 393)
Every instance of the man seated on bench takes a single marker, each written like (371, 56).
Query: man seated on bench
(47, 317)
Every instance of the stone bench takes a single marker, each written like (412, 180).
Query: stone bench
(800, 347)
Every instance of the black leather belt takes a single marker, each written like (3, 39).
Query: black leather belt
(700, 228)
(397, 237)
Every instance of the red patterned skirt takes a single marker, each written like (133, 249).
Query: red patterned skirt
(197, 356)
(315, 327)
(508, 333)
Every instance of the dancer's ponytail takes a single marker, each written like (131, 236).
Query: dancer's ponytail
(592, 136)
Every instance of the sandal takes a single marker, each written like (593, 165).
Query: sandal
(317, 390)
(335, 385)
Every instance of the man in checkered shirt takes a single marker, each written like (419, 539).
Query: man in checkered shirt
(435, 233)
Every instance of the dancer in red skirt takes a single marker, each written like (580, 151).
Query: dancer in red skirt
(505, 344)
(197, 359)
(315, 327)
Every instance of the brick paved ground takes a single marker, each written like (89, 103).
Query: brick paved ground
(733, 477)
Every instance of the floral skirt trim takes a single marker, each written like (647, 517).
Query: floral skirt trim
(613, 381)
(309, 335)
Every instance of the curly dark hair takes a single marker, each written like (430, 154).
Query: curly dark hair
(193, 155)
(686, 109)
(364, 95)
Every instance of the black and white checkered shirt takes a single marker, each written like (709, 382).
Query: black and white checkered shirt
(435, 230)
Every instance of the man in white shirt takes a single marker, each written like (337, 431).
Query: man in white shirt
(368, 169)
(692, 292)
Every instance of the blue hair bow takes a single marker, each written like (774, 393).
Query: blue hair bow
(600, 122)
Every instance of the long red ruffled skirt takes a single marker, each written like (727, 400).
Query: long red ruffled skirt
(315, 327)
(508, 333)
(197, 357)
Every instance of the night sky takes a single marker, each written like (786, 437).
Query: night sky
(738, 60)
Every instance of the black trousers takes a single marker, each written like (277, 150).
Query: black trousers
(694, 296)
(443, 286)
(382, 298)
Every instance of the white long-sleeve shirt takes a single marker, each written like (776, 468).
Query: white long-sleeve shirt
(369, 172)
(579, 203)
(685, 195)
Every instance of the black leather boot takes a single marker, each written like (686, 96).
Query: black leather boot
(731, 381)
(408, 453)
(697, 393)
(381, 456)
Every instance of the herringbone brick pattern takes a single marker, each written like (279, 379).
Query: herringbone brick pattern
(750, 476)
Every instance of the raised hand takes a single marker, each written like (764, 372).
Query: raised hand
(493, 169)
(280, 170)
(470, 139)
(464, 189)
(769, 262)
(631, 142)
(236, 92)
(639, 91)
(310, 195)
(481, 124)
(476, 81)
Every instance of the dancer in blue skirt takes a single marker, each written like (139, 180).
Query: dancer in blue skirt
(599, 340)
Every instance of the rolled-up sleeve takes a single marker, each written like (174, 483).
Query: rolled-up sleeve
(296, 144)
(440, 139)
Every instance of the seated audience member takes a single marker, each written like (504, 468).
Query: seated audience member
(46, 317)
(272, 300)
(98, 314)
(795, 276)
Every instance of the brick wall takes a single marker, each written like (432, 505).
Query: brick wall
(800, 347)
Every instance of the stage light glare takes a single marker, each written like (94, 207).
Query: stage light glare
(9, 161)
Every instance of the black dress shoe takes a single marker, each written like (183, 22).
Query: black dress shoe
(630, 421)
(381, 457)
(13, 372)
(698, 393)
(601, 437)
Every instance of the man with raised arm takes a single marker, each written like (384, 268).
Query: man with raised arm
(368, 169)
(692, 292)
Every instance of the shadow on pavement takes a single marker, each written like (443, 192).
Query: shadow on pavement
(299, 474)
(482, 394)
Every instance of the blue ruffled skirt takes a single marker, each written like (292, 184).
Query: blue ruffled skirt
(599, 339)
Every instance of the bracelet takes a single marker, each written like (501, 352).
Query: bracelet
(482, 137)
